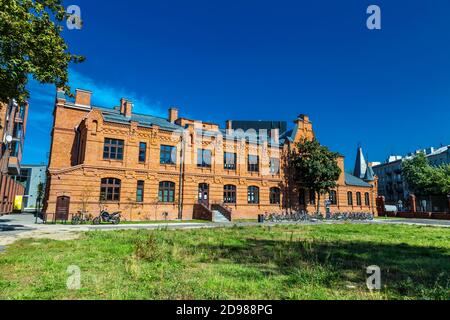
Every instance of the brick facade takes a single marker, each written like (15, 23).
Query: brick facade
(77, 164)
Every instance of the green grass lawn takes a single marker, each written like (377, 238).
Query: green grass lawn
(164, 222)
(285, 262)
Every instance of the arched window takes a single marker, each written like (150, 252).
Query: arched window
(229, 194)
(333, 197)
(358, 199)
(110, 189)
(95, 126)
(166, 192)
(350, 198)
(253, 195)
(275, 196)
(367, 197)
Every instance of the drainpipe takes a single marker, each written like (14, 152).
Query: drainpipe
(180, 184)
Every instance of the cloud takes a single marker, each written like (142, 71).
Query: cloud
(106, 95)
(42, 101)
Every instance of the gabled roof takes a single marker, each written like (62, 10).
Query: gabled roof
(351, 180)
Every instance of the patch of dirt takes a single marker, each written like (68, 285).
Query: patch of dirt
(58, 235)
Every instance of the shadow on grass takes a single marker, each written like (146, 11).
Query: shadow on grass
(412, 272)
(15, 227)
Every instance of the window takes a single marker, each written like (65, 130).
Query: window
(275, 196)
(113, 149)
(350, 198)
(167, 192)
(229, 194)
(204, 158)
(274, 165)
(333, 197)
(140, 191)
(15, 147)
(142, 152)
(358, 199)
(302, 197)
(312, 197)
(168, 155)
(253, 163)
(110, 189)
(367, 197)
(229, 161)
(253, 195)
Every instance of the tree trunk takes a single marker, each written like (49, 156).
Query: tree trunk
(318, 202)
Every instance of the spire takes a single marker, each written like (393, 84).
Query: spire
(360, 165)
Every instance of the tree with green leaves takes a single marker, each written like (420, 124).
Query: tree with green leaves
(31, 45)
(315, 167)
(445, 179)
(424, 179)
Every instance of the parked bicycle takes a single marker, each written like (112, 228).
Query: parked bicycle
(304, 216)
(287, 217)
(80, 218)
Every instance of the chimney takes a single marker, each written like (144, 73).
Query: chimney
(304, 128)
(229, 125)
(60, 95)
(83, 98)
(304, 117)
(126, 107)
(122, 106)
(302, 121)
(173, 115)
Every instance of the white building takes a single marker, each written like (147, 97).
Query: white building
(390, 179)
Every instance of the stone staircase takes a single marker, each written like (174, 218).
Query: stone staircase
(219, 217)
(216, 213)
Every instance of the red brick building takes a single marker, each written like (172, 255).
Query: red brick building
(151, 168)
(13, 123)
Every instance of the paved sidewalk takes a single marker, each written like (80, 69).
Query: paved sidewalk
(23, 226)
(16, 227)
(416, 222)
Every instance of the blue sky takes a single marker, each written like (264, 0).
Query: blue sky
(388, 89)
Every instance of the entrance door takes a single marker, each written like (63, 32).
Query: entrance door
(203, 194)
(62, 208)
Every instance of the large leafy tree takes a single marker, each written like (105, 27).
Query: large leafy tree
(444, 179)
(31, 45)
(424, 179)
(315, 167)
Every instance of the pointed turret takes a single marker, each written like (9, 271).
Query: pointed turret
(360, 165)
